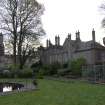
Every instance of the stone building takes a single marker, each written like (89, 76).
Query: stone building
(92, 51)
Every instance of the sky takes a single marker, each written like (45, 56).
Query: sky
(68, 16)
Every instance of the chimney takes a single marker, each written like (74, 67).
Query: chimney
(55, 40)
(50, 44)
(58, 40)
(69, 36)
(76, 35)
(93, 35)
(47, 43)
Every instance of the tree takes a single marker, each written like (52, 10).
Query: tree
(103, 9)
(22, 23)
(75, 66)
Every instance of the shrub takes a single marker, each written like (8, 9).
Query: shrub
(50, 69)
(25, 73)
(36, 65)
(54, 68)
(46, 69)
(62, 72)
(36, 68)
(75, 66)
(5, 74)
(35, 82)
(65, 65)
(14, 70)
(40, 74)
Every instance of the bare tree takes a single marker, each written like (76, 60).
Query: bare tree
(21, 21)
(103, 10)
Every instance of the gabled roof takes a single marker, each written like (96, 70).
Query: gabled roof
(89, 45)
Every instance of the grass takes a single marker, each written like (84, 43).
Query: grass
(59, 93)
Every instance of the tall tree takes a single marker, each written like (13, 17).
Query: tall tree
(21, 21)
(103, 9)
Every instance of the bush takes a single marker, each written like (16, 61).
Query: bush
(40, 74)
(14, 70)
(35, 83)
(65, 65)
(50, 69)
(76, 66)
(5, 74)
(54, 68)
(46, 69)
(25, 73)
(36, 69)
(62, 72)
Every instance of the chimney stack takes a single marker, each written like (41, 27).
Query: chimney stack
(77, 35)
(69, 36)
(55, 40)
(93, 35)
(58, 40)
(47, 43)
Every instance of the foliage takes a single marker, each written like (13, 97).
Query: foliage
(40, 74)
(65, 65)
(25, 73)
(35, 82)
(5, 74)
(37, 72)
(51, 69)
(46, 69)
(15, 72)
(62, 71)
(36, 64)
(75, 66)
(54, 68)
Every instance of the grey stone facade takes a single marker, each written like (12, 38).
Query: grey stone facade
(93, 52)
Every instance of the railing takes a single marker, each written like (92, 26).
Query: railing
(94, 73)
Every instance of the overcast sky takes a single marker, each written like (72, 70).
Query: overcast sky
(67, 16)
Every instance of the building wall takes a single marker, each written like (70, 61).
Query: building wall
(92, 51)
(88, 55)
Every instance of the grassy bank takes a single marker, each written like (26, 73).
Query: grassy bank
(59, 93)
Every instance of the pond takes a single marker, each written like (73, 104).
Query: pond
(7, 87)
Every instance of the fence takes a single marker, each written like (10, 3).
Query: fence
(94, 73)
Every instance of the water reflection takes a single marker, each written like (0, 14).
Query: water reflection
(7, 88)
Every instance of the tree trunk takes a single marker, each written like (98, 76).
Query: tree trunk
(14, 52)
(20, 55)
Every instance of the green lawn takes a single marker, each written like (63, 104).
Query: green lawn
(59, 93)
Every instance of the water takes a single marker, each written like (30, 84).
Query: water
(8, 87)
